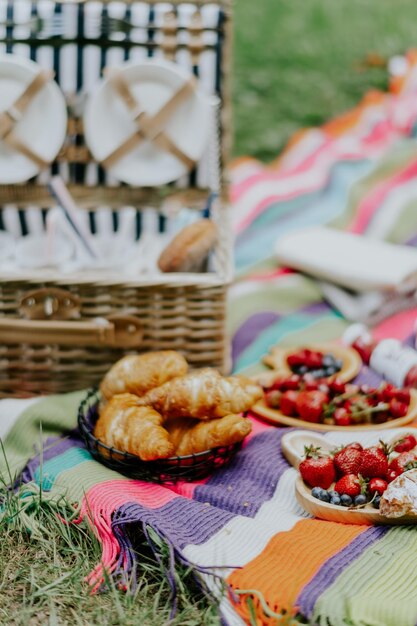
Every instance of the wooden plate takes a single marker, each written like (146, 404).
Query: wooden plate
(275, 416)
(277, 359)
(323, 510)
(292, 447)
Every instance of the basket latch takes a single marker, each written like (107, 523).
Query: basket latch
(50, 303)
(128, 330)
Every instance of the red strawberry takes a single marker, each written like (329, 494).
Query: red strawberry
(288, 402)
(292, 382)
(392, 475)
(377, 485)
(278, 384)
(310, 405)
(355, 445)
(406, 443)
(373, 463)
(397, 408)
(347, 461)
(296, 359)
(338, 386)
(342, 417)
(311, 384)
(313, 359)
(389, 392)
(403, 395)
(317, 471)
(349, 484)
(404, 461)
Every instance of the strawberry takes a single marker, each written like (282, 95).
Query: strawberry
(311, 384)
(347, 461)
(288, 401)
(349, 484)
(377, 485)
(392, 475)
(404, 462)
(338, 386)
(403, 395)
(292, 382)
(342, 417)
(388, 392)
(397, 408)
(277, 384)
(406, 443)
(313, 359)
(310, 405)
(373, 463)
(317, 471)
(295, 359)
(355, 444)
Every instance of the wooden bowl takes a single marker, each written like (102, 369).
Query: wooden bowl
(332, 513)
(277, 359)
(275, 416)
(292, 447)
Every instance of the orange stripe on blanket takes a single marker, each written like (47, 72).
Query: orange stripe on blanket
(286, 565)
(345, 122)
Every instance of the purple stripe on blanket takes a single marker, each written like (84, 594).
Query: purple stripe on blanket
(256, 324)
(250, 479)
(250, 329)
(333, 567)
(181, 521)
(51, 448)
(368, 377)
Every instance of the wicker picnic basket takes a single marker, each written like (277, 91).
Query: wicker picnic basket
(61, 332)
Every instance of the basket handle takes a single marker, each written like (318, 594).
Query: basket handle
(115, 331)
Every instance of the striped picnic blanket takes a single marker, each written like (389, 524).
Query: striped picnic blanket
(243, 525)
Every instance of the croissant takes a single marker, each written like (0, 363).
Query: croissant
(203, 394)
(191, 437)
(131, 428)
(139, 373)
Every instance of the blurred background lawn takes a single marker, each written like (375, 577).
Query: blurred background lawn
(300, 62)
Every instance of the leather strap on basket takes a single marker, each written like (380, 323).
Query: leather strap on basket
(150, 128)
(15, 112)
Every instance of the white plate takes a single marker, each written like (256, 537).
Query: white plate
(43, 126)
(107, 123)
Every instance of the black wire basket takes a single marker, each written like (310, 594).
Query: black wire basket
(188, 468)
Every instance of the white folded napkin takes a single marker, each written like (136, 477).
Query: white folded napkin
(353, 261)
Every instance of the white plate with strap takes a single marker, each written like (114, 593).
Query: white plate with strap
(147, 123)
(33, 119)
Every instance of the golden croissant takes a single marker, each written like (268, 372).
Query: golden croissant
(138, 374)
(128, 427)
(203, 394)
(191, 437)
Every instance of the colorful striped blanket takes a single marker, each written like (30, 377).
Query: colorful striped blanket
(242, 526)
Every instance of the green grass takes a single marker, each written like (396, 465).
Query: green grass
(300, 62)
(42, 578)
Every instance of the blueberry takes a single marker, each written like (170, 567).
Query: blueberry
(345, 500)
(335, 500)
(303, 369)
(334, 494)
(328, 360)
(320, 373)
(338, 363)
(360, 499)
(316, 491)
(324, 496)
(376, 501)
(330, 370)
